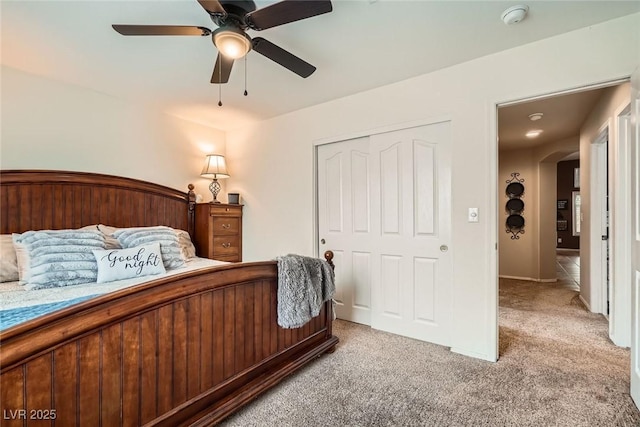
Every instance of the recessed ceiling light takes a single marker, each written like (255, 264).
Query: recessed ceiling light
(535, 116)
(533, 133)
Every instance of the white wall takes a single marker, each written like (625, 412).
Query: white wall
(603, 115)
(273, 160)
(53, 125)
(547, 215)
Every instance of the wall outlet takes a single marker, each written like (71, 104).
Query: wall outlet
(559, 239)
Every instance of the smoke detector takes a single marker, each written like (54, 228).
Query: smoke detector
(514, 14)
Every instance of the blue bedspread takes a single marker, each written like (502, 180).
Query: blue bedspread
(14, 316)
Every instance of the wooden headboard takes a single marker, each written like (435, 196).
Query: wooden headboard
(51, 200)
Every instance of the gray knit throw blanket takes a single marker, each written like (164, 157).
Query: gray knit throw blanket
(304, 284)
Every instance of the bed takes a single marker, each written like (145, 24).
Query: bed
(186, 349)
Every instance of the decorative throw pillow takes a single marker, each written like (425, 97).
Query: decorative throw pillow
(166, 236)
(118, 264)
(8, 259)
(56, 258)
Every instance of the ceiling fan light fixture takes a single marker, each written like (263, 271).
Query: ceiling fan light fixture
(231, 42)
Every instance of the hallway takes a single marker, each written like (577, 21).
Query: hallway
(568, 267)
(565, 349)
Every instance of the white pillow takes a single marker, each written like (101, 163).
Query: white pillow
(8, 259)
(118, 264)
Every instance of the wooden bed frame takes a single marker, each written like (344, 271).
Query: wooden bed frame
(184, 350)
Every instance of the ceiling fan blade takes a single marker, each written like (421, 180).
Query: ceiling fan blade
(282, 57)
(160, 30)
(212, 6)
(222, 69)
(286, 11)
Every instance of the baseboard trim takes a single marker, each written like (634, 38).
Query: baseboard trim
(585, 302)
(528, 279)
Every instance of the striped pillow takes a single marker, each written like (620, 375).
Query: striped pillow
(166, 236)
(57, 258)
(184, 239)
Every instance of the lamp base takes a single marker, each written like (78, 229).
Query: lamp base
(214, 187)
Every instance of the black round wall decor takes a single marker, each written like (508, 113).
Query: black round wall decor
(515, 221)
(515, 189)
(515, 206)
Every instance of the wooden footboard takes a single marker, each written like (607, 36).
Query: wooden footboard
(185, 351)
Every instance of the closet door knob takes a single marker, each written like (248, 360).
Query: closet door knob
(444, 248)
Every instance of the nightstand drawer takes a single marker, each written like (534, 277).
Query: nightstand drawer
(226, 210)
(226, 225)
(226, 245)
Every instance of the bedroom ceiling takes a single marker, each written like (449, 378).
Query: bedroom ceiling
(358, 46)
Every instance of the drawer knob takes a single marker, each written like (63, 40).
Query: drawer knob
(226, 245)
(227, 209)
(226, 226)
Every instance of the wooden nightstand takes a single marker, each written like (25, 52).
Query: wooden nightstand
(219, 231)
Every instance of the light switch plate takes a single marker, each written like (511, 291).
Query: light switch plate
(473, 215)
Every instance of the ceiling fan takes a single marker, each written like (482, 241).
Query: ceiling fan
(233, 18)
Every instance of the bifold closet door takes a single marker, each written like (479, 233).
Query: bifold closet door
(344, 223)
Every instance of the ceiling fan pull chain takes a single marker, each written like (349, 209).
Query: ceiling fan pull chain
(245, 76)
(220, 85)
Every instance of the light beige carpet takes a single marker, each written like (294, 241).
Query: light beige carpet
(557, 367)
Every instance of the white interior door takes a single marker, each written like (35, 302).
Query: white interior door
(635, 250)
(411, 220)
(344, 223)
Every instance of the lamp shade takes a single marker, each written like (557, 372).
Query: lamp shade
(215, 167)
